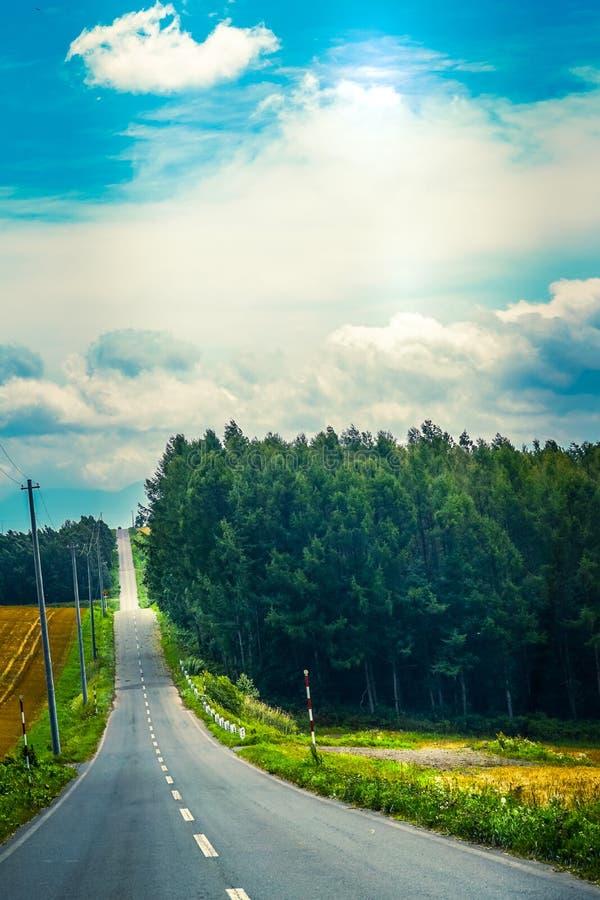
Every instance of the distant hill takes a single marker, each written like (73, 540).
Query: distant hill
(64, 503)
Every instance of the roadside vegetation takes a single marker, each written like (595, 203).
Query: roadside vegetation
(23, 793)
(539, 797)
(452, 578)
(138, 549)
(546, 808)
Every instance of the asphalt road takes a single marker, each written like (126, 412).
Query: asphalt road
(165, 812)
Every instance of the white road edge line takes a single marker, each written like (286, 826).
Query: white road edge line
(205, 845)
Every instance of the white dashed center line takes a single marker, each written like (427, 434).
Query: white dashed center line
(155, 743)
(186, 814)
(176, 795)
(164, 768)
(168, 779)
(205, 845)
(160, 759)
(157, 750)
(237, 893)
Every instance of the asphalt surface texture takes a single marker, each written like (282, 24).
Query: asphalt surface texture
(163, 811)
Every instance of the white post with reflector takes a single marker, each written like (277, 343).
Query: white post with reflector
(310, 709)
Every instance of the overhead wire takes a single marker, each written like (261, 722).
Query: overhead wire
(96, 526)
(11, 460)
(7, 475)
(50, 520)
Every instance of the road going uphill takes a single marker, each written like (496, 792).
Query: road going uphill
(163, 811)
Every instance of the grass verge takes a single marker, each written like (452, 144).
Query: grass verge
(564, 832)
(551, 832)
(138, 550)
(24, 794)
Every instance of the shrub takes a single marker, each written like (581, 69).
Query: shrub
(246, 685)
(522, 748)
(220, 689)
(194, 665)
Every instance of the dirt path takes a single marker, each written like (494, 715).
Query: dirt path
(432, 757)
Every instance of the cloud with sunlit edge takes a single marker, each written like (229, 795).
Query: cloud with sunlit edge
(148, 52)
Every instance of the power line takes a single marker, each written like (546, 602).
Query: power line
(96, 525)
(6, 474)
(52, 525)
(11, 461)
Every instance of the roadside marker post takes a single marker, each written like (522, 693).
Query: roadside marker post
(310, 710)
(26, 748)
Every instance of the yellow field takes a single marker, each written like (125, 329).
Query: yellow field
(536, 785)
(22, 664)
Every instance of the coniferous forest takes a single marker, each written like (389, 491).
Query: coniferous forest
(436, 576)
(17, 574)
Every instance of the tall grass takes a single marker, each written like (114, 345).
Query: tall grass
(256, 711)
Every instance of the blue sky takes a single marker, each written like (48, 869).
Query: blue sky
(295, 215)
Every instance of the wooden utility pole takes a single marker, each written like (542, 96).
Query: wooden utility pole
(102, 600)
(43, 622)
(91, 602)
(84, 693)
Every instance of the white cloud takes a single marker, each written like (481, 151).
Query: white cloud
(356, 204)
(492, 375)
(572, 301)
(357, 199)
(139, 53)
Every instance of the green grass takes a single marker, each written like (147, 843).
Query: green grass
(23, 795)
(553, 832)
(531, 751)
(80, 727)
(138, 551)
(115, 589)
(396, 740)
(568, 837)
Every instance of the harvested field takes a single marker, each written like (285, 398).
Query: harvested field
(22, 664)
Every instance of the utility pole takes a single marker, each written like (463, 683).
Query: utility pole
(91, 602)
(84, 693)
(43, 622)
(102, 603)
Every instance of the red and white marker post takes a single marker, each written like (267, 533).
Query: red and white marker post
(310, 710)
(24, 732)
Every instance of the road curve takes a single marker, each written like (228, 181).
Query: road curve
(165, 812)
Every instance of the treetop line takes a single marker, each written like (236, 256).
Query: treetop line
(464, 578)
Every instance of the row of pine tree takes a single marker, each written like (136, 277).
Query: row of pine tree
(438, 576)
